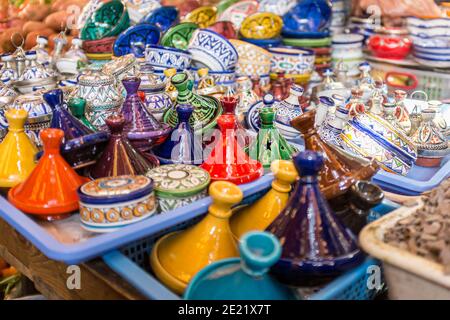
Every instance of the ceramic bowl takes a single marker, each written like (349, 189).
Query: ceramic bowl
(264, 43)
(237, 12)
(428, 23)
(224, 28)
(179, 36)
(432, 50)
(212, 50)
(251, 52)
(165, 57)
(177, 185)
(109, 20)
(104, 45)
(310, 43)
(261, 25)
(347, 41)
(111, 203)
(67, 66)
(202, 16)
(135, 39)
(432, 62)
(29, 86)
(308, 16)
(435, 42)
(293, 61)
(250, 68)
(429, 32)
(279, 7)
(163, 17)
(221, 78)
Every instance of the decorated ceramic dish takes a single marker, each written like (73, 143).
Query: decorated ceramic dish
(135, 39)
(293, 61)
(178, 36)
(203, 16)
(107, 204)
(308, 16)
(310, 43)
(177, 185)
(264, 43)
(163, 17)
(161, 58)
(121, 66)
(262, 25)
(237, 12)
(104, 45)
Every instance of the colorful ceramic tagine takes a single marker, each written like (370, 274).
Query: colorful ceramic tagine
(431, 144)
(111, 203)
(120, 157)
(50, 191)
(226, 279)
(340, 170)
(16, 151)
(261, 214)
(269, 144)
(316, 246)
(172, 258)
(177, 185)
(287, 110)
(324, 108)
(81, 145)
(77, 107)
(402, 113)
(206, 109)
(356, 105)
(182, 145)
(141, 128)
(227, 160)
(252, 118)
(170, 88)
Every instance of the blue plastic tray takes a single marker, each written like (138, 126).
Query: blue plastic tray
(418, 180)
(102, 243)
(133, 264)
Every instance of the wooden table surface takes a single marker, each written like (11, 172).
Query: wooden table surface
(98, 281)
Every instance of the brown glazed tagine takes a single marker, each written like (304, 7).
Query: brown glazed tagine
(340, 170)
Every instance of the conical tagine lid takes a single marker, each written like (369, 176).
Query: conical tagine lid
(16, 151)
(120, 157)
(50, 191)
(316, 245)
(228, 161)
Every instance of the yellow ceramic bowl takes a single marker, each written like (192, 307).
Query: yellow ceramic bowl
(251, 52)
(99, 56)
(262, 25)
(203, 16)
(300, 79)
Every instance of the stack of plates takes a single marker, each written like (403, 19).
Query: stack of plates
(338, 17)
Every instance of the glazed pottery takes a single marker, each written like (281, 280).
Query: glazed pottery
(141, 128)
(77, 107)
(161, 58)
(279, 7)
(330, 131)
(7, 94)
(179, 36)
(365, 81)
(246, 97)
(163, 17)
(341, 170)
(156, 100)
(206, 109)
(172, 259)
(307, 16)
(17, 151)
(323, 109)
(227, 160)
(402, 113)
(203, 16)
(237, 12)
(250, 52)
(439, 119)
(287, 110)
(74, 58)
(104, 45)
(120, 157)
(182, 145)
(223, 80)
(177, 185)
(311, 255)
(81, 145)
(431, 144)
(50, 191)
(269, 144)
(224, 28)
(226, 278)
(121, 67)
(139, 9)
(109, 19)
(101, 94)
(356, 105)
(260, 215)
(252, 118)
(389, 115)
(7, 72)
(135, 39)
(292, 61)
(390, 43)
(212, 50)
(111, 203)
(205, 80)
(377, 99)
(261, 25)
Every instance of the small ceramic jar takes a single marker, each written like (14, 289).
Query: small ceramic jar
(177, 185)
(108, 204)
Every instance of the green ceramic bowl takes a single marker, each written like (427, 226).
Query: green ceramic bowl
(109, 20)
(311, 43)
(178, 36)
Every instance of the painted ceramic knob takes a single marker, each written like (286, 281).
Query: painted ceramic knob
(228, 161)
(226, 279)
(110, 203)
(261, 214)
(309, 229)
(172, 258)
(78, 106)
(16, 151)
(120, 157)
(50, 191)
(177, 185)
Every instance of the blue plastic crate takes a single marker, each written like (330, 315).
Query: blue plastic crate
(133, 264)
(100, 244)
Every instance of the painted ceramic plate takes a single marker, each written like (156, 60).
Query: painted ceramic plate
(163, 17)
(203, 16)
(263, 25)
(304, 34)
(135, 38)
(275, 42)
(309, 16)
(179, 179)
(315, 43)
(178, 36)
